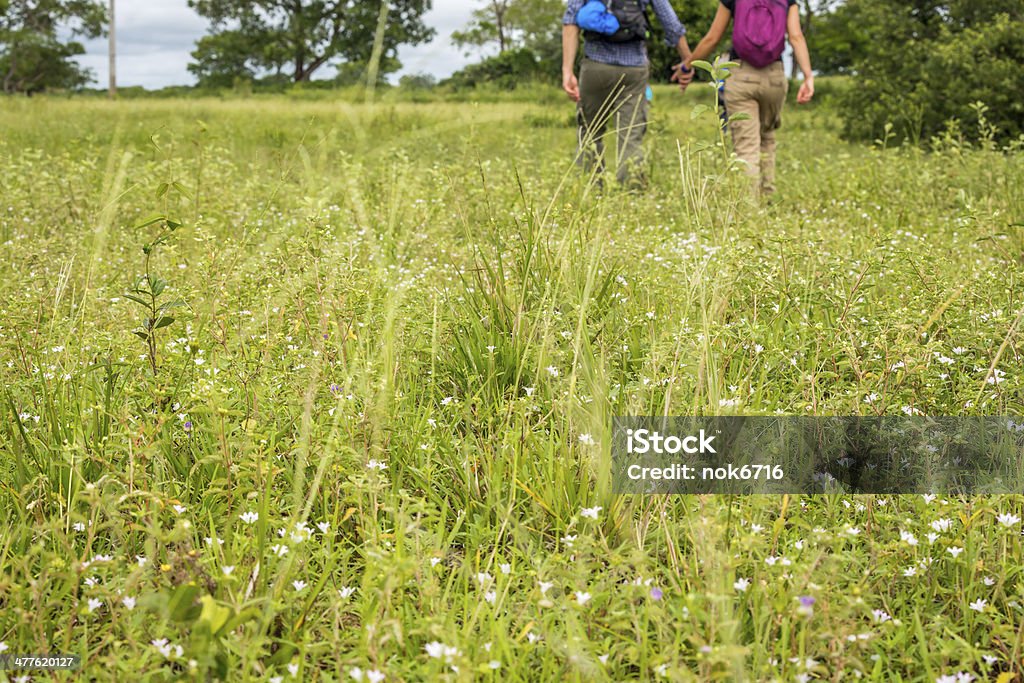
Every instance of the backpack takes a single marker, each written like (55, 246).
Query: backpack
(759, 31)
(633, 23)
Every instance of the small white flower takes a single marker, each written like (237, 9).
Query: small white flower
(375, 676)
(582, 598)
(591, 512)
(852, 531)
(506, 569)
(490, 596)
(955, 551)
(434, 561)
(545, 587)
(356, 673)
(880, 616)
(603, 659)
(552, 370)
(346, 592)
(299, 585)
(227, 569)
(279, 550)
(249, 517)
(741, 585)
(141, 561)
(3, 647)
(376, 465)
(483, 578)
(908, 538)
(128, 602)
(587, 440)
(494, 665)
(942, 525)
(988, 581)
(1008, 520)
(323, 527)
(979, 605)
(293, 669)
(94, 604)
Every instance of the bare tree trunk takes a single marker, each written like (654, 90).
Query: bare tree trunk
(113, 51)
(500, 9)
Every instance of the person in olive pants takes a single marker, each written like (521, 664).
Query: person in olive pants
(612, 88)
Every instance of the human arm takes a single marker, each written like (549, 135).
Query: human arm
(570, 46)
(714, 36)
(675, 36)
(803, 56)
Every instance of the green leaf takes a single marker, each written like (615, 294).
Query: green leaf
(136, 299)
(177, 303)
(163, 322)
(703, 66)
(181, 189)
(182, 605)
(698, 111)
(213, 615)
(158, 286)
(742, 116)
(152, 220)
(162, 189)
(141, 335)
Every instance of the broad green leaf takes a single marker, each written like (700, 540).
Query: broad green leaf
(698, 110)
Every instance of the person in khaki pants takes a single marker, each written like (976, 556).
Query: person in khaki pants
(758, 86)
(612, 86)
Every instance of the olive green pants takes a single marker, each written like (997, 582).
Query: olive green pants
(618, 95)
(760, 94)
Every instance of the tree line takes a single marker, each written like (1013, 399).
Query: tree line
(915, 67)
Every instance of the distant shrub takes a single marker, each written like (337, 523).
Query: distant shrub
(949, 58)
(506, 71)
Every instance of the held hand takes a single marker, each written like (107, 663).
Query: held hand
(683, 76)
(571, 86)
(806, 93)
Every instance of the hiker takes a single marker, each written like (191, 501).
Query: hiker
(614, 77)
(758, 86)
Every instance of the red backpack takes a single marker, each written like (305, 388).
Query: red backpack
(759, 31)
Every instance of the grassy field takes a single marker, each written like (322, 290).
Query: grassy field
(369, 439)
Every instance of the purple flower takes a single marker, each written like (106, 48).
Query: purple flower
(188, 426)
(335, 389)
(656, 593)
(806, 605)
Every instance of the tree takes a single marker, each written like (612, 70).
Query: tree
(299, 37)
(37, 46)
(951, 55)
(513, 25)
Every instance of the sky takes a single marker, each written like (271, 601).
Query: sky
(155, 38)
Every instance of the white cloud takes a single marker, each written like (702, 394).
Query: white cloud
(156, 37)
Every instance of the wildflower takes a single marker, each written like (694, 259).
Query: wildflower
(128, 602)
(656, 593)
(94, 604)
(356, 673)
(955, 551)
(180, 509)
(434, 561)
(227, 570)
(1008, 520)
(299, 585)
(490, 596)
(741, 585)
(249, 517)
(590, 512)
(552, 370)
(806, 605)
(978, 605)
(988, 581)
(582, 598)
(3, 647)
(506, 569)
(436, 650)
(494, 665)
(587, 440)
(279, 550)
(323, 527)
(545, 587)
(908, 537)
(483, 578)
(346, 592)
(910, 571)
(376, 465)
(568, 539)
(880, 616)
(603, 659)
(141, 561)
(942, 525)
(293, 669)
(852, 531)
(375, 675)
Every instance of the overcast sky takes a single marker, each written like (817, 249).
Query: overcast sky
(155, 38)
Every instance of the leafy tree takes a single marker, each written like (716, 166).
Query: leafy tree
(513, 25)
(299, 37)
(37, 46)
(951, 55)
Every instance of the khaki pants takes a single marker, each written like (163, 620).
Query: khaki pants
(761, 94)
(613, 93)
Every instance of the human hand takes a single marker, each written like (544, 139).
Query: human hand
(806, 93)
(571, 86)
(683, 75)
